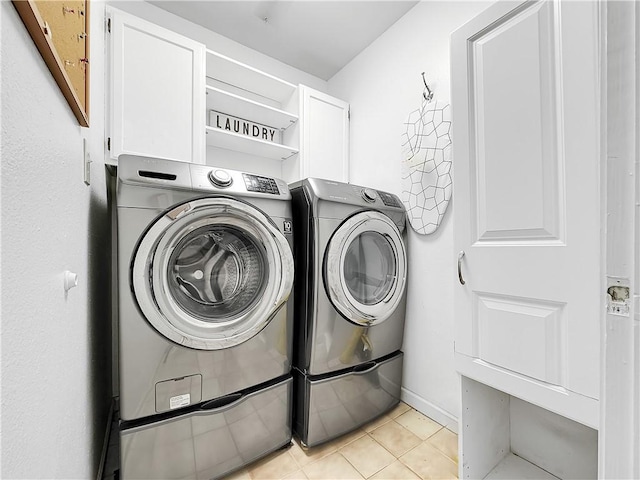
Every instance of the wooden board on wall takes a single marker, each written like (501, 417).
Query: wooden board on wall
(60, 31)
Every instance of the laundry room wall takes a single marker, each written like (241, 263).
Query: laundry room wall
(55, 347)
(383, 84)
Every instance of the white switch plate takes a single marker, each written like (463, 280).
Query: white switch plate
(87, 162)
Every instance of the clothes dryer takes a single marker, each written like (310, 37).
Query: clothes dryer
(205, 272)
(351, 265)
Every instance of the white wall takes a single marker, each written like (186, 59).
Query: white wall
(383, 85)
(55, 348)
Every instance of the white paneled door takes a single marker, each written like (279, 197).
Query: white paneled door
(526, 129)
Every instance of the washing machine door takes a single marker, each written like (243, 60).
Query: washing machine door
(210, 273)
(365, 268)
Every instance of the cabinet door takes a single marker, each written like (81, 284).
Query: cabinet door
(525, 84)
(157, 91)
(325, 136)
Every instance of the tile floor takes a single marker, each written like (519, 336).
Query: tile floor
(403, 444)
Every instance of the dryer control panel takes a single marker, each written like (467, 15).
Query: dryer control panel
(353, 194)
(356, 195)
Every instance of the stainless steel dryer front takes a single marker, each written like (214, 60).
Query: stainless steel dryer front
(351, 266)
(205, 274)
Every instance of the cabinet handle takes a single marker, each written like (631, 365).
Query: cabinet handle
(460, 255)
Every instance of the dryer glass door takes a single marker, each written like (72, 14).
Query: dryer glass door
(365, 268)
(369, 268)
(210, 273)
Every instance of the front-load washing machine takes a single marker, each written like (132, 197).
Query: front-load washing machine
(351, 266)
(205, 272)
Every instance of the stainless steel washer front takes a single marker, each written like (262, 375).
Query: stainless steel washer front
(209, 273)
(204, 279)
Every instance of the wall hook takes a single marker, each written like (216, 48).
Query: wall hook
(70, 280)
(428, 94)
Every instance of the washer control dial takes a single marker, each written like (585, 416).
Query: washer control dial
(369, 195)
(220, 178)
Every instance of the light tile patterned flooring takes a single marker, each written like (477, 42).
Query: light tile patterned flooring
(403, 444)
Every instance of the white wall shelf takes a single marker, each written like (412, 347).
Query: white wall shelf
(232, 72)
(241, 107)
(252, 146)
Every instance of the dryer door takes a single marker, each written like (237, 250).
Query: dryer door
(210, 273)
(365, 268)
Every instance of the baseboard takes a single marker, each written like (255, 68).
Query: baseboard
(105, 442)
(429, 409)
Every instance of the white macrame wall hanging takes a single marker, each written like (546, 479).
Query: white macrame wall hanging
(426, 163)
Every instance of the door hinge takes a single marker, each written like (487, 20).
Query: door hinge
(349, 114)
(109, 25)
(618, 296)
(109, 143)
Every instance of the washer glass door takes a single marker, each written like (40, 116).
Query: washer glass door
(365, 268)
(210, 273)
(216, 272)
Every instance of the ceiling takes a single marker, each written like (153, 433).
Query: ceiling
(317, 37)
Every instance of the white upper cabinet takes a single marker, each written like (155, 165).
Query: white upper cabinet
(324, 137)
(157, 92)
(171, 97)
(525, 86)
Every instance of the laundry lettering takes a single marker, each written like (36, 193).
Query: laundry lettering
(244, 127)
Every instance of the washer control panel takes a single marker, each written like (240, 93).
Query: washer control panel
(369, 195)
(256, 183)
(220, 178)
(389, 200)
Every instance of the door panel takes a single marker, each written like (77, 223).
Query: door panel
(518, 166)
(526, 127)
(325, 136)
(157, 91)
(535, 330)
